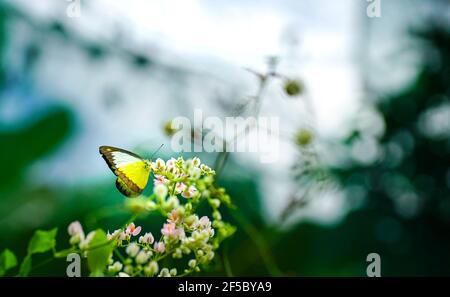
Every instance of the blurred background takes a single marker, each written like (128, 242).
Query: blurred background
(364, 140)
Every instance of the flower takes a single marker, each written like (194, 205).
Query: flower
(192, 263)
(159, 247)
(123, 236)
(133, 249)
(164, 273)
(179, 187)
(123, 274)
(142, 257)
(147, 238)
(190, 192)
(170, 165)
(196, 162)
(76, 232)
(173, 216)
(133, 230)
(115, 234)
(170, 230)
(160, 180)
(203, 223)
(160, 191)
(85, 242)
(116, 267)
(195, 173)
(75, 228)
(151, 269)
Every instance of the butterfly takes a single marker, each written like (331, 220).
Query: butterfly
(132, 171)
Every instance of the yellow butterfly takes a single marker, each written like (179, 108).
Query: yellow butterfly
(131, 170)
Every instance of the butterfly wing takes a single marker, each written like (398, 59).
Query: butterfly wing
(131, 170)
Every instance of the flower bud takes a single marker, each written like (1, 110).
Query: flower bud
(303, 137)
(116, 267)
(215, 203)
(192, 263)
(133, 249)
(142, 257)
(151, 269)
(160, 191)
(164, 273)
(293, 87)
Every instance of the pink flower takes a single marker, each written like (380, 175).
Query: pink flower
(133, 230)
(160, 180)
(170, 230)
(204, 223)
(180, 187)
(173, 216)
(170, 164)
(189, 193)
(159, 247)
(75, 229)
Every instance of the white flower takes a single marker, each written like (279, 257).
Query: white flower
(190, 192)
(85, 243)
(159, 164)
(192, 263)
(151, 269)
(147, 238)
(132, 249)
(116, 267)
(142, 257)
(164, 273)
(196, 162)
(123, 274)
(203, 223)
(195, 172)
(160, 191)
(115, 234)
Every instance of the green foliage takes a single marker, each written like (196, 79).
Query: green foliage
(41, 242)
(7, 261)
(31, 143)
(98, 253)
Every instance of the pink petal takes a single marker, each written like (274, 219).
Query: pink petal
(137, 231)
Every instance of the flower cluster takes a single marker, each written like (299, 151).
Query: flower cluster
(186, 239)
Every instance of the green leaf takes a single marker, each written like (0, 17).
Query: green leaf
(25, 267)
(7, 261)
(42, 241)
(99, 252)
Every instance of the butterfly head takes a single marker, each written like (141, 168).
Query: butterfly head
(148, 164)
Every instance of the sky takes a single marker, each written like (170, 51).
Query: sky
(208, 43)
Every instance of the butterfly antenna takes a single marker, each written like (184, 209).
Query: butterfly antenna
(151, 157)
